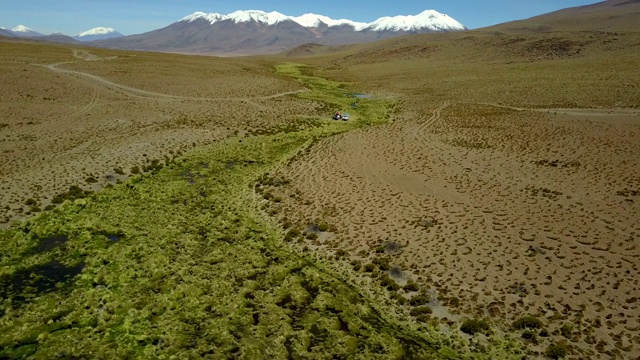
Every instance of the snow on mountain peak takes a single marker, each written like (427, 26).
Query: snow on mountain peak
(429, 19)
(271, 18)
(21, 28)
(314, 20)
(210, 17)
(239, 16)
(97, 31)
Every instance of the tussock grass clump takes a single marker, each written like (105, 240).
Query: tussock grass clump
(421, 313)
(411, 286)
(420, 310)
(557, 350)
(558, 163)
(527, 322)
(74, 192)
(566, 330)
(419, 300)
(544, 192)
(474, 326)
(381, 263)
(31, 202)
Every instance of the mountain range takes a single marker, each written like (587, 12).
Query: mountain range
(98, 33)
(258, 32)
(255, 32)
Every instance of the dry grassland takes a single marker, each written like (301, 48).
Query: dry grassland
(89, 117)
(508, 183)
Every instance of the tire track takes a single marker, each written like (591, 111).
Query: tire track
(150, 95)
(94, 99)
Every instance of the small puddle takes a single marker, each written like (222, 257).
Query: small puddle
(37, 280)
(362, 96)
(113, 237)
(50, 243)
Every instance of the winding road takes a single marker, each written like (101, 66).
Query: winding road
(135, 92)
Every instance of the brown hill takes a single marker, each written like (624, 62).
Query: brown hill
(611, 15)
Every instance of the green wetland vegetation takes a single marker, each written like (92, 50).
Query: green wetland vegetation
(181, 262)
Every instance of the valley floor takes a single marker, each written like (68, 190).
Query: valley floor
(499, 212)
(232, 216)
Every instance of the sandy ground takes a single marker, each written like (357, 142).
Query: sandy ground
(95, 116)
(513, 212)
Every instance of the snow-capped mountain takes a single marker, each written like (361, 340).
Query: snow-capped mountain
(428, 19)
(99, 33)
(22, 30)
(270, 18)
(258, 32)
(314, 20)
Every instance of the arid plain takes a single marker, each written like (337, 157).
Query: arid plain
(506, 181)
(510, 178)
(89, 117)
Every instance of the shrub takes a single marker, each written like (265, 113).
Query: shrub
(323, 227)
(557, 351)
(356, 265)
(58, 199)
(393, 286)
(566, 330)
(454, 302)
(385, 279)
(399, 298)
(419, 300)
(30, 202)
(527, 322)
(530, 336)
(369, 267)
(291, 235)
(410, 286)
(474, 326)
(420, 310)
(383, 264)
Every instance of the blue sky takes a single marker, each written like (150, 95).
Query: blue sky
(137, 16)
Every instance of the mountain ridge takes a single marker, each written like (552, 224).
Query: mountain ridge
(253, 32)
(425, 19)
